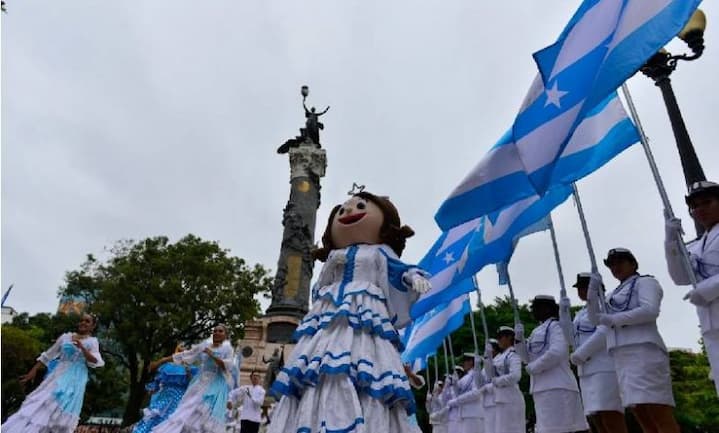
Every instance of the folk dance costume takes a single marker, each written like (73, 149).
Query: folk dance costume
(167, 388)
(704, 258)
(554, 389)
(55, 405)
(202, 408)
(345, 373)
(465, 408)
(633, 341)
(597, 375)
(503, 401)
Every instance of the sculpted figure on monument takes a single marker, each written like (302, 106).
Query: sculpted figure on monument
(275, 363)
(310, 134)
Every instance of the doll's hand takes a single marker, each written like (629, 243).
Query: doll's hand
(420, 284)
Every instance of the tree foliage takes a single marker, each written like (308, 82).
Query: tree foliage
(151, 294)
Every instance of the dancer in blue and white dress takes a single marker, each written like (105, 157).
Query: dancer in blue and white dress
(55, 405)
(553, 386)
(202, 409)
(345, 373)
(167, 388)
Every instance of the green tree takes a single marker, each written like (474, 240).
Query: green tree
(19, 350)
(697, 407)
(152, 294)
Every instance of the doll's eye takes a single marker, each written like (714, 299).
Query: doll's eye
(361, 206)
(342, 210)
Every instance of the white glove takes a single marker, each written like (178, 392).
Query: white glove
(575, 359)
(420, 284)
(452, 403)
(488, 351)
(606, 320)
(695, 298)
(486, 388)
(672, 227)
(518, 332)
(529, 368)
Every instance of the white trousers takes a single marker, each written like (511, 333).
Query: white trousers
(711, 342)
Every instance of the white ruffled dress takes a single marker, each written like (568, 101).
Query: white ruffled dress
(202, 408)
(345, 373)
(55, 405)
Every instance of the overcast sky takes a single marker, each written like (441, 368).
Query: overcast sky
(145, 118)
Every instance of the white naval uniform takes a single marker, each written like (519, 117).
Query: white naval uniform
(554, 389)
(469, 405)
(597, 375)
(438, 419)
(639, 354)
(704, 256)
(508, 409)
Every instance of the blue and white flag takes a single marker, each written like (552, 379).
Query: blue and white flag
(483, 241)
(428, 331)
(503, 266)
(604, 44)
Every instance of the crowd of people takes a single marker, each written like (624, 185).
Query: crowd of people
(345, 373)
(622, 362)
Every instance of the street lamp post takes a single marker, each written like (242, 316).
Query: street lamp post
(659, 67)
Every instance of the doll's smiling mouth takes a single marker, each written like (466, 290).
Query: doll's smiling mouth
(352, 218)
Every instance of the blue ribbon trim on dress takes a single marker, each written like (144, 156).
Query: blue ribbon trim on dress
(362, 380)
(350, 428)
(355, 321)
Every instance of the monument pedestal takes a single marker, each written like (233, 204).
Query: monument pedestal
(256, 338)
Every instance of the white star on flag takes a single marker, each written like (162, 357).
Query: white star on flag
(448, 257)
(554, 95)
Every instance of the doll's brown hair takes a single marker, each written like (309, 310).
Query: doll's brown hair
(392, 232)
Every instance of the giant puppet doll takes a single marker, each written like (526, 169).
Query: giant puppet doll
(345, 373)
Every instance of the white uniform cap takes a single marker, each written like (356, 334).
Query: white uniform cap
(468, 355)
(545, 298)
(505, 328)
(459, 368)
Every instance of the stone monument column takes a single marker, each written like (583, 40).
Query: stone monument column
(268, 338)
(291, 290)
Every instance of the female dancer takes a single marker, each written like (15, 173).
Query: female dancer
(345, 373)
(167, 389)
(54, 406)
(202, 409)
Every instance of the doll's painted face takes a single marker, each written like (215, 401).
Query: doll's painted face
(358, 221)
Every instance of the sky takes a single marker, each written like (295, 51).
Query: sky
(123, 120)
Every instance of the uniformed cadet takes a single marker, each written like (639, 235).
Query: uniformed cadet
(467, 401)
(434, 408)
(597, 376)
(633, 341)
(554, 389)
(507, 414)
(483, 381)
(703, 202)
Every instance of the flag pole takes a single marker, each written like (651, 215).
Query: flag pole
(481, 313)
(7, 293)
(436, 367)
(564, 322)
(471, 322)
(588, 241)
(658, 181)
(515, 310)
(553, 234)
(426, 371)
(446, 357)
(451, 350)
